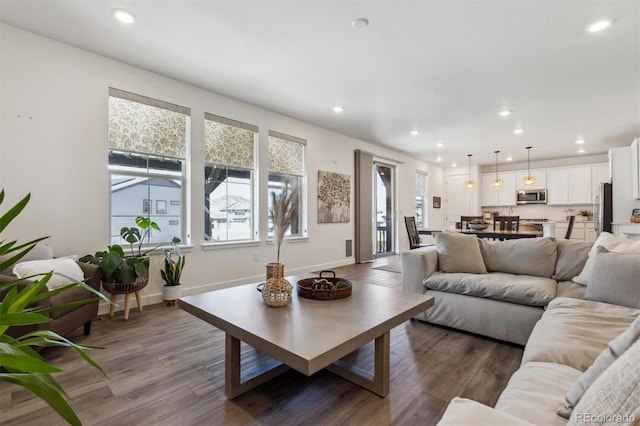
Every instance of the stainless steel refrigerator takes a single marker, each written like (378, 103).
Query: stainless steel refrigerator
(603, 208)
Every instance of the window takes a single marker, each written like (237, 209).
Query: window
(287, 163)
(147, 155)
(422, 200)
(229, 147)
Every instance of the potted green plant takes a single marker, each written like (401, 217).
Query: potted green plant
(20, 363)
(122, 273)
(586, 214)
(478, 224)
(171, 273)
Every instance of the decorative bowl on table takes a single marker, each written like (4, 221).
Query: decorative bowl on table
(478, 226)
(324, 288)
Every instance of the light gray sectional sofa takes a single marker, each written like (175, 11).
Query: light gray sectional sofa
(498, 288)
(580, 362)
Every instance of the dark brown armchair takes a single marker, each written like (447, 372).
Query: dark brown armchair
(65, 321)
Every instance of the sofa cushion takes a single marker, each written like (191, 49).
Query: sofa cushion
(612, 243)
(613, 351)
(615, 279)
(614, 396)
(572, 255)
(570, 289)
(463, 411)
(573, 332)
(60, 267)
(521, 289)
(535, 391)
(527, 256)
(39, 252)
(459, 253)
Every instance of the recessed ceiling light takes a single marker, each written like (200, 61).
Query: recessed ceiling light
(123, 16)
(439, 144)
(518, 131)
(509, 158)
(439, 158)
(414, 132)
(598, 26)
(580, 141)
(454, 165)
(581, 151)
(505, 113)
(360, 23)
(338, 108)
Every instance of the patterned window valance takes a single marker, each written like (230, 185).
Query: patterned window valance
(421, 184)
(146, 125)
(286, 154)
(228, 142)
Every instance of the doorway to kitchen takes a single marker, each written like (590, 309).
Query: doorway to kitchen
(383, 206)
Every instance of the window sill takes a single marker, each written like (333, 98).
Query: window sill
(291, 240)
(229, 244)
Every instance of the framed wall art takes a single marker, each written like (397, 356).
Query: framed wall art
(334, 197)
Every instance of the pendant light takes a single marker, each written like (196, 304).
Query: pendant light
(469, 185)
(529, 181)
(497, 183)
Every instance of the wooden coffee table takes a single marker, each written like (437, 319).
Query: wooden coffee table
(307, 335)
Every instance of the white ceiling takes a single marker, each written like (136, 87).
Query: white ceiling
(443, 67)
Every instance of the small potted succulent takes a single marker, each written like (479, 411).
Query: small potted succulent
(171, 273)
(586, 214)
(478, 224)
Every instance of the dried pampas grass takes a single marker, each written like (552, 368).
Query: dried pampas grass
(284, 210)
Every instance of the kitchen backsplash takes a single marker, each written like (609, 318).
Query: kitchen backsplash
(555, 213)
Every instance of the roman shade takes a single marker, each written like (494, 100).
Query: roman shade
(286, 154)
(146, 125)
(229, 142)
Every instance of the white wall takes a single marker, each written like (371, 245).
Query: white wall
(53, 143)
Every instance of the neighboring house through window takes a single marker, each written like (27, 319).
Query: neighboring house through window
(422, 200)
(147, 156)
(229, 147)
(287, 163)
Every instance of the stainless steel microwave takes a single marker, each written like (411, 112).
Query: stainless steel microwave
(531, 196)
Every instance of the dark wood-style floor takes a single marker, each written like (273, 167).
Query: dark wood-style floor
(166, 367)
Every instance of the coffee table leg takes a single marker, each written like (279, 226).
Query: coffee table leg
(379, 382)
(234, 386)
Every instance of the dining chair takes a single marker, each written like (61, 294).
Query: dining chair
(506, 223)
(464, 221)
(570, 227)
(412, 230)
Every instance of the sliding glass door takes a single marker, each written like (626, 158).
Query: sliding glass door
(383, 205)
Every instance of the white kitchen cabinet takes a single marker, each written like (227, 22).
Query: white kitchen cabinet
(599, 174)
(498, 197)
(582, 231)
(579, 185)
(557, 186)
(539, 174)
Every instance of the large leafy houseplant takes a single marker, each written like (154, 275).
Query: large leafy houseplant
(20, 363)
(115, 265)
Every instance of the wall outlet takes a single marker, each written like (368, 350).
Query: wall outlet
(255, 257)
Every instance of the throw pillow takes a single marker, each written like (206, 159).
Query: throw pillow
(39, 252)
(613, 398)
(572, 255)
(615, 279)
(459, 253)
(38, 268)
(527, 256)
(612, 243)
(613, 351)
